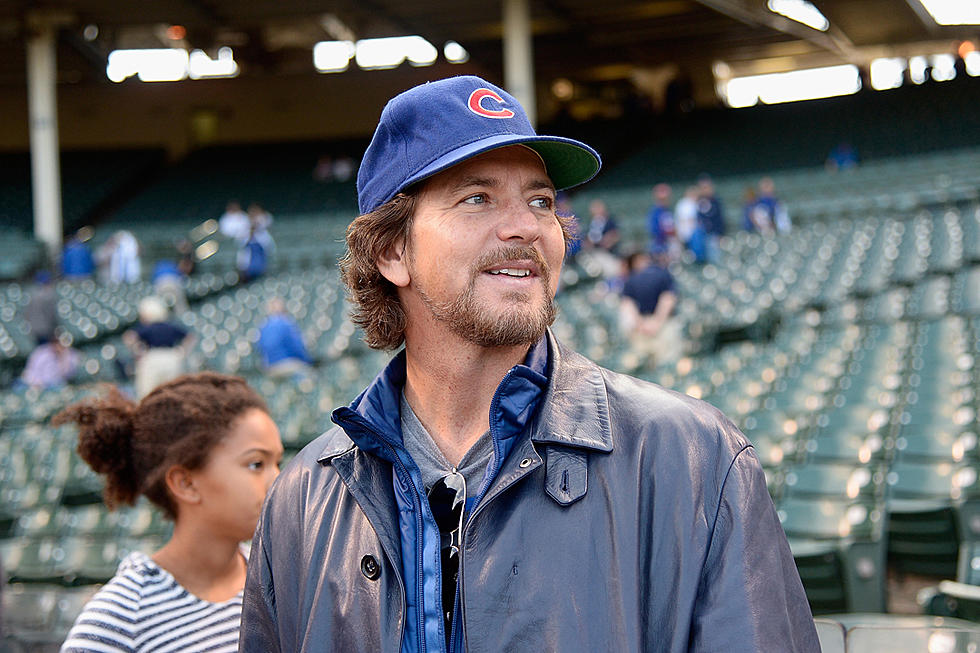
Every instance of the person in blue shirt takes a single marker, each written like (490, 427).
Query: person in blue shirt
(281, 343)
(660, 220)
(648, 300)
(160, 347)
(253, 258)
(711, 218)
(76, 260)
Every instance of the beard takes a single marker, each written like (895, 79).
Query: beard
(525, 317)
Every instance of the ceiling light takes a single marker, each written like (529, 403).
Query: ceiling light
(153, 65)
(201, 66)
(376, 54)
(333, 56)
(801, 11)
(455, 53)
(793, 86)
(953, 12)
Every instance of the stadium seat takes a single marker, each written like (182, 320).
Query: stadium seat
(839, 547)
(932, 511)
(952, 599)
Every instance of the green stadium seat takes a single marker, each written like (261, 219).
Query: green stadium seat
(839, 548)
(835, 481)
(952, 599)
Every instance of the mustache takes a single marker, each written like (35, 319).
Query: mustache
(513, 253)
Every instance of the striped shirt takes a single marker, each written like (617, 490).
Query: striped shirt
(144, 609)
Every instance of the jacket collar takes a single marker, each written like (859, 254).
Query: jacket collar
(575, 410)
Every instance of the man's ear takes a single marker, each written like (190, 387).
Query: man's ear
(180, 482)
(393, 264)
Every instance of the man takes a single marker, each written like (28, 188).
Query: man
(711, 219)
(648, 301)
(492, 490)
(281, 343)
(603, 231)
(660, 220)
(41, 312)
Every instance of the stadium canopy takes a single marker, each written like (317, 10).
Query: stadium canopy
(531, 46)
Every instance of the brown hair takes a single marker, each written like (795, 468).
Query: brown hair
(377, 309)
(178, 423)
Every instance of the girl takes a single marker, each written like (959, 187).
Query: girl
(205, 451)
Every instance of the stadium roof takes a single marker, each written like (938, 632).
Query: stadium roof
(583, 40)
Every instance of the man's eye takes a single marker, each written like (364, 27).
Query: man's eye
(541, 202)
(475, 199)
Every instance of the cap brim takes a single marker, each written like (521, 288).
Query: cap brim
(567, 161)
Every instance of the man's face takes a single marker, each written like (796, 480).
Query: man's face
(485, 249)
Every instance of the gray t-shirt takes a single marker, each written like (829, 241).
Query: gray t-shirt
(431, 461)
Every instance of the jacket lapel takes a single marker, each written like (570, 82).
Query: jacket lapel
(370, 483)
(575, 411)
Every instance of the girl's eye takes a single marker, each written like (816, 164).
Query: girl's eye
(255, 465)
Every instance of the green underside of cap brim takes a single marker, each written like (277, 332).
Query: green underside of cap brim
(568, 165)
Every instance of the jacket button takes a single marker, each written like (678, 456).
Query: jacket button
(370, 567)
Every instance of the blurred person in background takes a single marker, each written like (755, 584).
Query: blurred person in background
(186, 261)
(259, 221)
(767, 214)
(159, 347)
(203, 449)
(41, 312)
(76, 259)
(711, 218)
(168, 284)
(603, 232)
(234, 222)
(52, 364)
(648, 300)
(686, 219)
(252, 259)
(661, 223)
(281, 343)
(120, 258)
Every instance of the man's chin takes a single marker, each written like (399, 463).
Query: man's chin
(513, 326)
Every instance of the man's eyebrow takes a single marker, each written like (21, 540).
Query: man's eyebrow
(540, 184)
(473, 180)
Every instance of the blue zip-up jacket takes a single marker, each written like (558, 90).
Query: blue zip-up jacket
(373, 422)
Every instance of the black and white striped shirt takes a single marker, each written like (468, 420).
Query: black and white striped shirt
(144, 609)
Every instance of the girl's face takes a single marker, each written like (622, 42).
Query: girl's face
(241, 467)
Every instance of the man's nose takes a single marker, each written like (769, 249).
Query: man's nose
(518, 221)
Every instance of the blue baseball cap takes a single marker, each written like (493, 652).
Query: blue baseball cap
(434, 126)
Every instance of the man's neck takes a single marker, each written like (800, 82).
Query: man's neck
(450, 384)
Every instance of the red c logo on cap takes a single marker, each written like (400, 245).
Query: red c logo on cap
(476, 98)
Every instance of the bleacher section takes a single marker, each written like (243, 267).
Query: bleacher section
(91, 182)
(845, 350)
(277, 176)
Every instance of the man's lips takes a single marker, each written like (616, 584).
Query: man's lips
(514, 270)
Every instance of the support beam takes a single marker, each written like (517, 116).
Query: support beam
(519, 56)
(42, 77)
(924, 16)
(833, 40)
